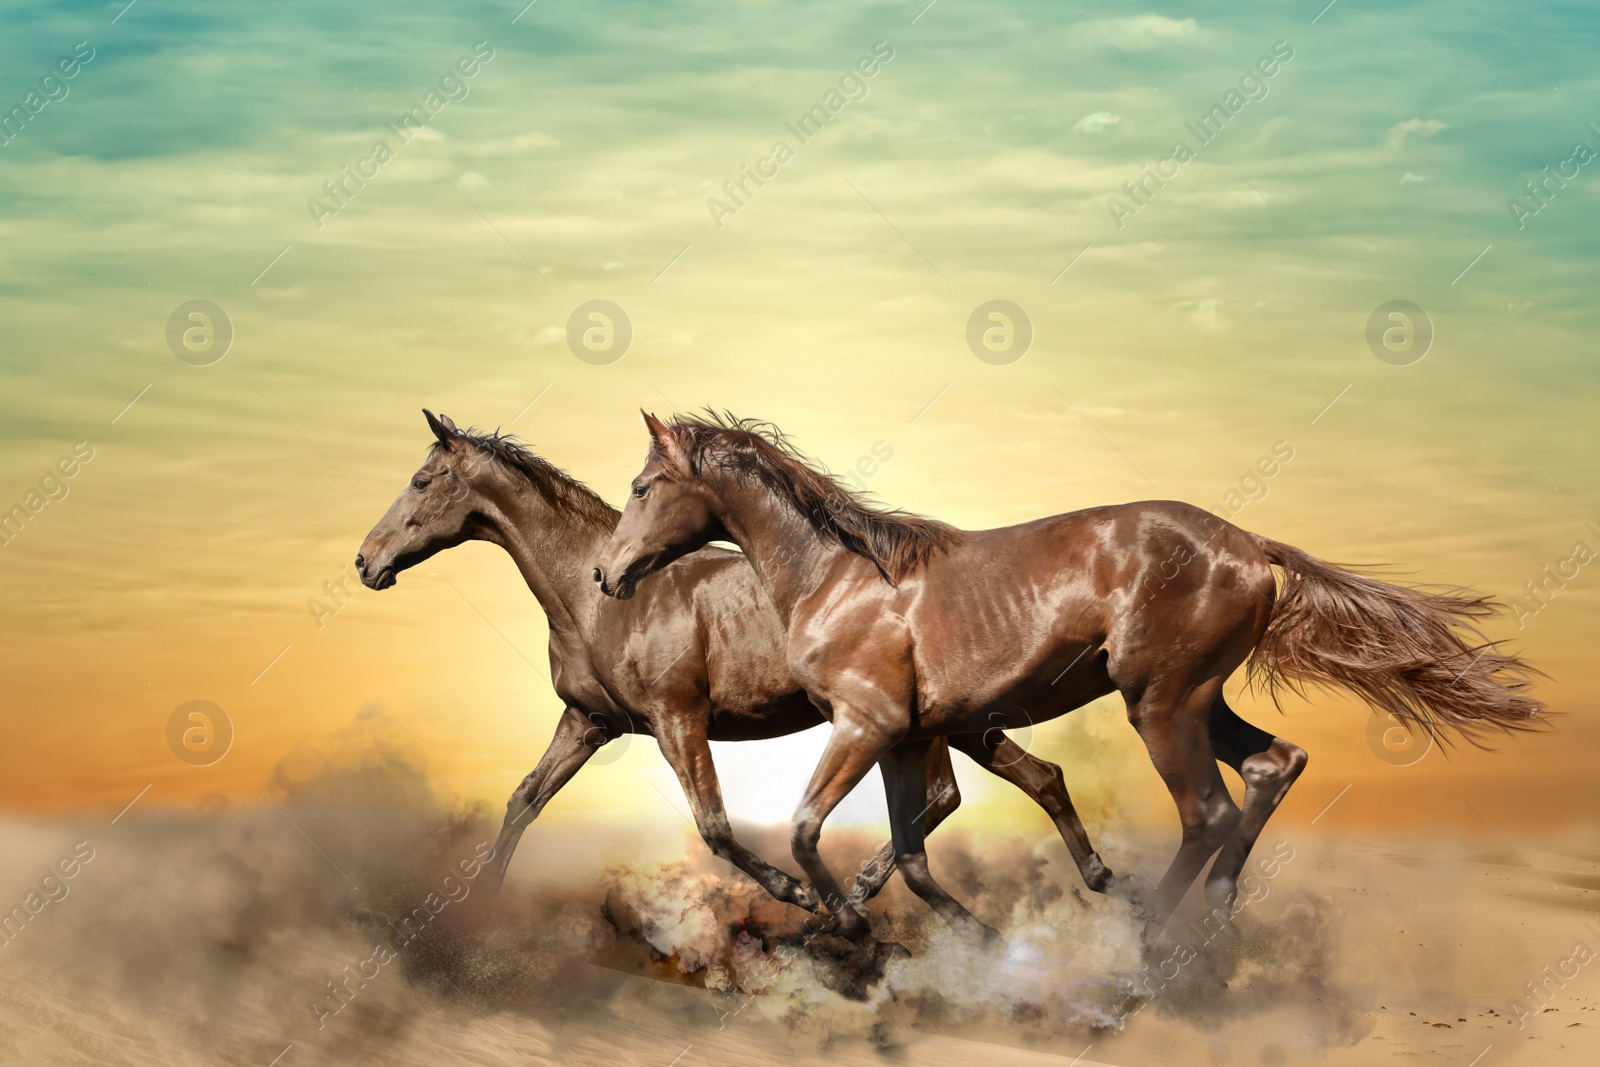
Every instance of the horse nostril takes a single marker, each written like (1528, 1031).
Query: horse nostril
(361, 563)
(597, 576)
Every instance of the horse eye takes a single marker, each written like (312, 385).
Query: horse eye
(419, 484)
(639, 491)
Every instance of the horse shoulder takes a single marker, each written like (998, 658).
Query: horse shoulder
(843, 639)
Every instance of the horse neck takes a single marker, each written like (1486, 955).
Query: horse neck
(553, 547)
(788, 555)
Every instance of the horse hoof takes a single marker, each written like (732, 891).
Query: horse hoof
(891, 950)
(1124, 888)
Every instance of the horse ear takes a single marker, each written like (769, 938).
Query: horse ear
(442, 427)
(663, 440)
(658, 429)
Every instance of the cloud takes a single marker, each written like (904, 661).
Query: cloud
(1396, 137)
(473, 180)
(1204, 314)
(1144, 31)
(535, 139)
(548, 335)
(1096, 122)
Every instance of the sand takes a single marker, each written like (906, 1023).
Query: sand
(209, 938)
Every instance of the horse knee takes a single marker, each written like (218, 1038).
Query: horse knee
(944, 802)
(521, 798)
(719, 839)
(1053, 796)
(804, 834)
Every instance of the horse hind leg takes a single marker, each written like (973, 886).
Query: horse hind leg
(1174, 731)
(1043, 782)
(1269, 766)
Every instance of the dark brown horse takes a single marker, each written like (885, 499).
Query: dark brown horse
(903, 630)
(699, 658)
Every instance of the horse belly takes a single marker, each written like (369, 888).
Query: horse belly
(780, 719)
(1069, 678)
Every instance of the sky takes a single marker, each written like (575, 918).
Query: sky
(1180, 332)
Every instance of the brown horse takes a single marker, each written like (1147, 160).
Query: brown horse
(700, 658)
(903, 630)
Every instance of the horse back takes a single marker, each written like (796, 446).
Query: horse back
(1041, 616)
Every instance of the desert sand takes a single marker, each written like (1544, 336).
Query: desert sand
(279, 935)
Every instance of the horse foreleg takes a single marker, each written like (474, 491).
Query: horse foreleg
(1043, 782)
(854, 746)
(905, 781)
(684, 745)
(571, 747)
(943, 799)
(1269, 766)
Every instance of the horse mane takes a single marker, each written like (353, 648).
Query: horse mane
(895, 541)
(559, 488)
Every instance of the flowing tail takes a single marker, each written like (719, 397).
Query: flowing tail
(1415, 653)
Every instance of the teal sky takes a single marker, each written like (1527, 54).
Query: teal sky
(1225, 316)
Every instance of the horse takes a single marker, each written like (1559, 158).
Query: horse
(699, 659)
(903, 630)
